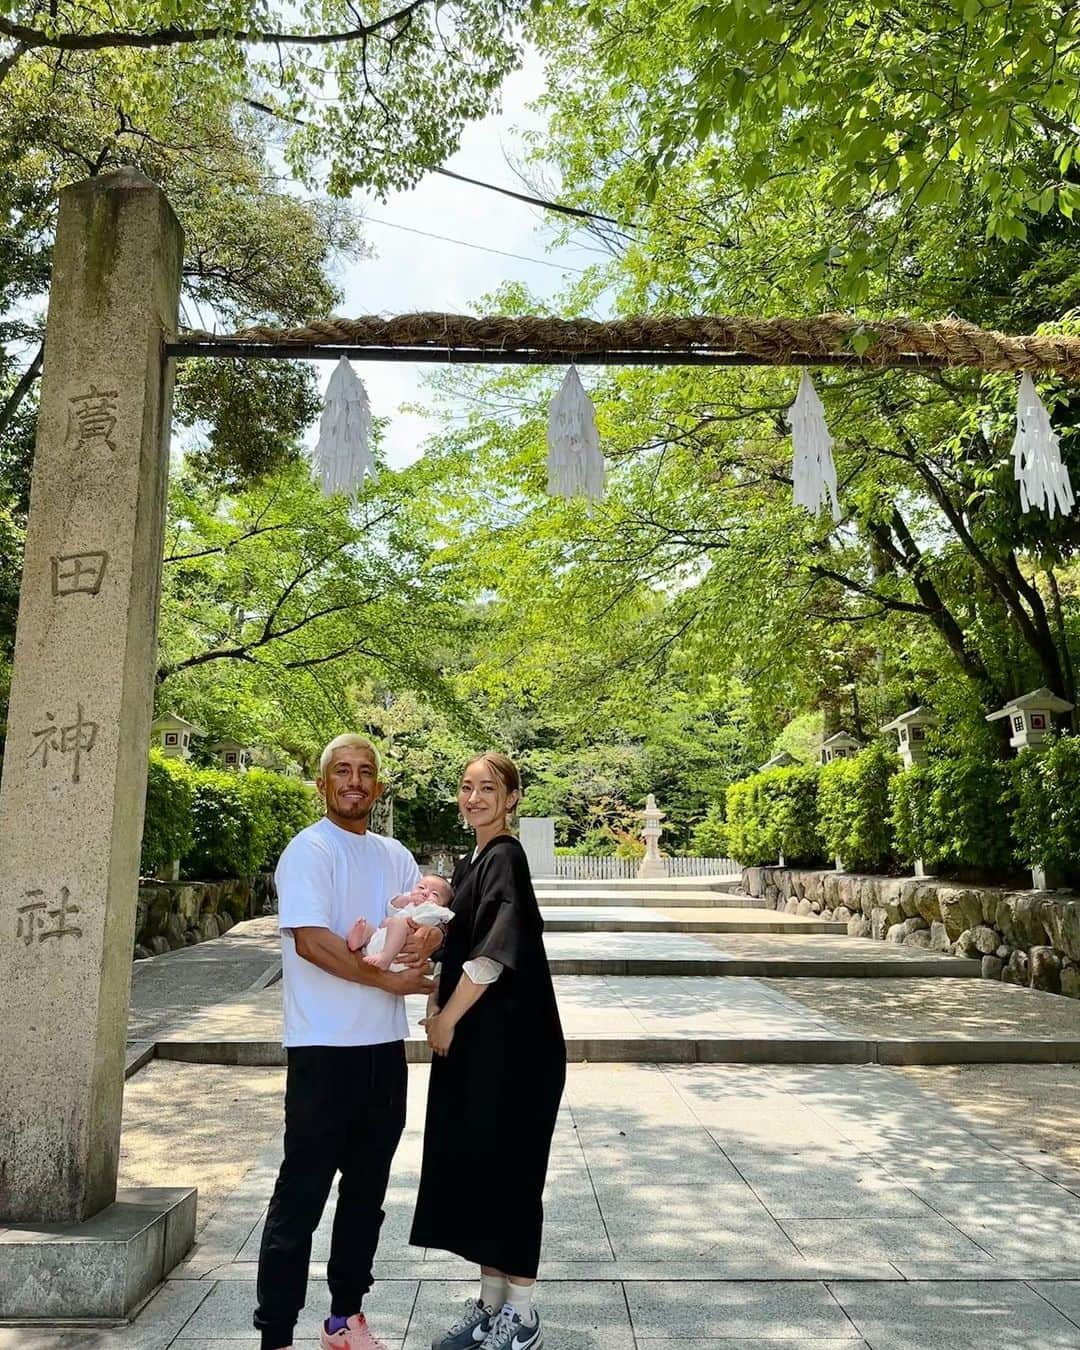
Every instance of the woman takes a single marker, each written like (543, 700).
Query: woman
(497, 1075)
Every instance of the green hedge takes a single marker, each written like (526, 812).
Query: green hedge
(220, 823)
(955, 813)
(853, 807)
(167, 833)
(1046, 816)
(774, 812)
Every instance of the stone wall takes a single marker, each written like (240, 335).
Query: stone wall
(174, 914)
(1023, 937)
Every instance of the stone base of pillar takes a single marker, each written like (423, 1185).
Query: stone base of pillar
(101, 1269)
(1046, 879)
(652, 867)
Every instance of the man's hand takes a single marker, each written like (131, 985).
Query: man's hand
(419, 945)
(408, 982)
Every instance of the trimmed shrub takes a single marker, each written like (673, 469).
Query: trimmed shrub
(281, 806)
(774, 812)
(226, 836)
(167, 822)
(954, 812)
(1046, 811)
(854, 814)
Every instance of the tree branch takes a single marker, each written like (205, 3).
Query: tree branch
(33, 38)
(25, 384)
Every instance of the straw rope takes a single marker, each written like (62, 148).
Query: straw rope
(777, 341)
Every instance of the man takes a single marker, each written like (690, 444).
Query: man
(344, 1031)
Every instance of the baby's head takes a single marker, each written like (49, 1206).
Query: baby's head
(436, 890)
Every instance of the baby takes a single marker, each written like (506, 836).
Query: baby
(428, 904)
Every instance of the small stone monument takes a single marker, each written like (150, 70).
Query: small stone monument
(173, 736)
(537, 835)
(781, 761)
(652, 865)
(1030, 716)
(839, 746)
(910, 728)
(1030, 719)
(232, 755)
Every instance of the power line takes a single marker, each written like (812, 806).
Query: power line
(465, 243)
(578, 211)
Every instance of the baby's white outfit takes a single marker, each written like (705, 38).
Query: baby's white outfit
(427, 914)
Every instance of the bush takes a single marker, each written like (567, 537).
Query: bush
(853, 803)
(282, 806)
(227, 840)
(1046, 810)
(167, 821)
(954, 812)
(710, 836)
(774, 812)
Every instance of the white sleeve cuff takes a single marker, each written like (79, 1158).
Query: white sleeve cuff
(483, 970)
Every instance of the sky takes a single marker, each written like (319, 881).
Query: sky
(408, 272)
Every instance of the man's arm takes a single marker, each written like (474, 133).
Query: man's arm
(330, 953)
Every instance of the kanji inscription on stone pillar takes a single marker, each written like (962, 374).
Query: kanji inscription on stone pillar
(71, 802)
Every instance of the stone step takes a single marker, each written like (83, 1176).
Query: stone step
(687, 899)
(261, 1053)
(661, 1020)
(722, 919)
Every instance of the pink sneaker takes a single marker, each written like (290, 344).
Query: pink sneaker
(355, 1335)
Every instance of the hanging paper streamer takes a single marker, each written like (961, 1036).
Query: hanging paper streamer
(1037, 467)
(813, 471)
(343, 454)
(575, 461)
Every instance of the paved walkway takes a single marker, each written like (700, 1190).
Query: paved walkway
(699, 1206)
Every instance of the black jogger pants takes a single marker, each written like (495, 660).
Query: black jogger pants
(344, 1112)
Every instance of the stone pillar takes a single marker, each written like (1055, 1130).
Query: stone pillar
(537, 835)
(71, 803)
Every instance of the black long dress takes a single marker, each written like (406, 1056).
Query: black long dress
(493, 1099)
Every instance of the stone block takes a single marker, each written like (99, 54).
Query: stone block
(960, 909)
(918, 937)
(842, 914)
(1016, 969)
(965, 944)
(102, 1268)
(1045, 969)
(992, 966)
(879, 922)
(939, 938)
(985, 940)
(859, 926)
(1063, 920)
(1070, 980)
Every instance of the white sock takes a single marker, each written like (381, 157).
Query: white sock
(519, 1297)
(493, 1290)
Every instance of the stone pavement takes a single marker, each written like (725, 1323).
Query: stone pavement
(709, 1206)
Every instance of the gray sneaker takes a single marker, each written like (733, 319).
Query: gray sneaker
(470, 1329)
(509, 1332)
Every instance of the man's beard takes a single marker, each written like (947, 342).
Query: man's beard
(353, 810)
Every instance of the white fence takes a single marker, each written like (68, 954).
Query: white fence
(576, 868)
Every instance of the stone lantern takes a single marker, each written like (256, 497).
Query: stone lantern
(1030, 719)
(232, 755)
(652, 865)
(1030, 716)
(781, 761)
(173, 736)
(910, 728)
(839, 746)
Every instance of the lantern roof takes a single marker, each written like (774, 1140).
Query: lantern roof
(1043, 699)
(918, 715)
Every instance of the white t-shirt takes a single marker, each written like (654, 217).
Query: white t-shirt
(328, 877)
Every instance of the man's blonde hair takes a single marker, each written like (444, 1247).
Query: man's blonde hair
(351, 741)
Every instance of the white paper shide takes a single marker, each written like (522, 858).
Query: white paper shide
(813, 470)
(575, 461)
(1037, 467)
(343, 455)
